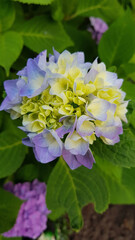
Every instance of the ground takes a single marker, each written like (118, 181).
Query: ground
(117, 223)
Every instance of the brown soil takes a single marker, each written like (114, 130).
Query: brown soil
(117, 223)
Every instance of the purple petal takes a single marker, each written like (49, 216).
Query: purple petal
(69, 124)
(11, 89)
(110, 141)
(27, 142)
(109, 132)
(43, 155)
(62, 131)
(87, 160)
(54, 134)
(119, 83)
(49, 143)
(56, 55)
(23, 72)
(85, 130)
(41, 60)
(6, 104)
(98, 24)
(36, 78)
(55, 149)
(90, 76)
(9, 186)
(102, 106)
(76, 145)
(70, 159)
(32, 217)
(79, 56)
(40, 141)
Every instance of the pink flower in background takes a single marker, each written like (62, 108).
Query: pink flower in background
(32, 217)
(98, 27)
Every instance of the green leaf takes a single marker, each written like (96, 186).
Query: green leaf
(10, 48)
(26, 173)
(121, 154)
(41, 33)
(129, 88)
(57, 10)
(127, 71)
(12, 238)
(85, 42)
(2, 76)
(106, 9)
(41, 2)
(9, 207)
(11, 126)
(61, 192)
(71, 190)
(56, 213)
(62, 9)
(113, 176)
(1, 118)
(133, 3)
(132, 118)
(128, 179)
(31, 171)
(7, 14)
(91, 187)
(12, 153)
(117, 44)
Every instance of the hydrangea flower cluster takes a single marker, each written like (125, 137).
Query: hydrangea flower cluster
(65, 104)
(98, 27)
(32, 217)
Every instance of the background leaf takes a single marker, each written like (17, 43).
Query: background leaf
(61, 192)
(119, 193)
(13, 238)
(12, 153)
(127, 70)
(133, 3)
(128, 179)
(73, 189)
(41, 33)
(9, 207)
(129, 88)
(106, 9)
(31, 171)
(7, 14)
(118, 43)
(10, 48)
(62, 9)
(121, 154)
(89, 47)
(42, 2)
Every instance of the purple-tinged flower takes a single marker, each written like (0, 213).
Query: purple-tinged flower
(110, 128)
(47, 145)
(76, 151)
(84, 126)
(32, 217)
(35, 81)
(69, 124)
(76, 144)
(74, 161)
(98, 27)
(65, 104)
(13, 100)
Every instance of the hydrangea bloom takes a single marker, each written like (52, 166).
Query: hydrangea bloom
(98, 27)
(65, 104)
(32, 217)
